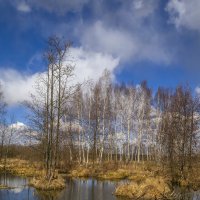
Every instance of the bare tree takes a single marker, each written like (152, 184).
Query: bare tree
(3, 126)
(54, 88)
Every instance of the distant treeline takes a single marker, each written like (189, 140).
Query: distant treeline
(80, 123)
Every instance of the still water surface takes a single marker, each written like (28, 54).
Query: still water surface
(76, 189)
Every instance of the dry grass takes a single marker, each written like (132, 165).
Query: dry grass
(138, 178)
(128, 190)
(193, 179)
(109, 171)
(23, 168)
(80, 172)
(100, 172)
(46, 185)
(89, 171)
(138, 173)
(151, 188)
(33, 169)
(113, 175)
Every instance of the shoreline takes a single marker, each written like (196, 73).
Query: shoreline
(140, 177)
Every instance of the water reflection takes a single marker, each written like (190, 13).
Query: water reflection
(76, 189)
(89, 189)
(13, 181)
(185, 194)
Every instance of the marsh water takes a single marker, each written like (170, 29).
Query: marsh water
(76, 189)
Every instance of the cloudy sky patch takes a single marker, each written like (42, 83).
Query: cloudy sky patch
(135, 39)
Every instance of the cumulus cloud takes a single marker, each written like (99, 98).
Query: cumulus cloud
(61, 7)
(17, 87)
(23, 7)
(125, 44)
(131, 30)
(126, 30)
(111, 41)
(184, 13)
(197, 90)
(90, 65)
(142, 8)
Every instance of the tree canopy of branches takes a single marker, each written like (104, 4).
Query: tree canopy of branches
(48, 106)
(101, 121)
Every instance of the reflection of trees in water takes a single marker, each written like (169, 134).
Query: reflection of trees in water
(48, 195)
(12, 181)
(185, 194)
(4, 176)
(197, 196)
(77, 189)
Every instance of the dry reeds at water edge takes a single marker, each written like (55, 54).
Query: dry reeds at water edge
(151, 188)
(45, 184)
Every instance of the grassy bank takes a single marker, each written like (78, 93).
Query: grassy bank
(57, 183)
(147, 180)
(136, 172)
(139, 175)
(22, 168)
(33, 170)
(150, 188)
(112, 171)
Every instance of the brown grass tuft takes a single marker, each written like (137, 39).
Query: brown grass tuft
(113, 175)
(44, 184)
(151, 188)
(80, 172)
(23, 168)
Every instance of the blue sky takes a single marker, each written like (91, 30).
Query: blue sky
(154, 40)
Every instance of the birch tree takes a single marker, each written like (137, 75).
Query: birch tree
(52, 92)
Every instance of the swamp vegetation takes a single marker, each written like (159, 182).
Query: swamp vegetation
(104, 131)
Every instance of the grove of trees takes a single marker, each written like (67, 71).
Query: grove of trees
(96, 122)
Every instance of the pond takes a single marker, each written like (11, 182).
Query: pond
(76, 189)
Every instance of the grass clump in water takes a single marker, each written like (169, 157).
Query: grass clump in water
(151, 188)
(80, 172)
(112, 175)
(47, 185)
(22, 168)
(138, 178)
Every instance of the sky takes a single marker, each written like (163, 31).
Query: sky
(153, 40)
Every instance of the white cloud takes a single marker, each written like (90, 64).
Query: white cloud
(138, 4)
(17, 125)
(126, 45)
(90, 65)
(59, 7)
(17, 87)
(142, 8)
(197, 90)
(23, 7)
(130, 33)
(184, 13)
(109, 40)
